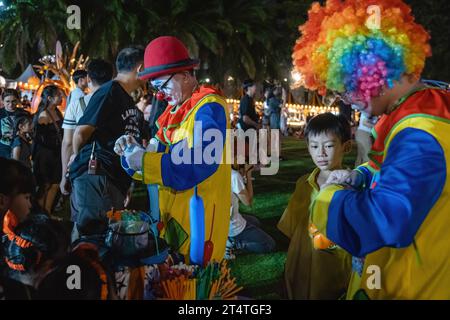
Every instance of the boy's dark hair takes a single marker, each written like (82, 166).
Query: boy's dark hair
(100, 71)
(16, 178)
(329, 123)
(79, 74)
(129, 58)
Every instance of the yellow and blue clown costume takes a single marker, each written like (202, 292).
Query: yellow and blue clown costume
(182, 130)
(399, 218)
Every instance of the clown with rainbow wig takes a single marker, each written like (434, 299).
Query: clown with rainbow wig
(393, 212)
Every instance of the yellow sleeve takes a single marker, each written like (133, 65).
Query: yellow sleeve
(151, 168)
(297, 207)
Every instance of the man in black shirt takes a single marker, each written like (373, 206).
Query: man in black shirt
(248, 119)
(98, 181)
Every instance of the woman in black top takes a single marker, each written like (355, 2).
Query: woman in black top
(47, 147)
(21, 145)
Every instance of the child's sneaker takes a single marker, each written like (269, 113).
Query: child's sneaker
(229, 255)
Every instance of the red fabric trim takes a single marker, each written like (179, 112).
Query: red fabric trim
(433, 102)
(174, 119)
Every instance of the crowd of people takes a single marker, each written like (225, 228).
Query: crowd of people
(389, 213)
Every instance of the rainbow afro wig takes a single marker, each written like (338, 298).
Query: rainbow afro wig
(356, 47)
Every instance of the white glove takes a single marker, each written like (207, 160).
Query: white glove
(123, 142)
(133, 155)
(349, 178)
(152, 145)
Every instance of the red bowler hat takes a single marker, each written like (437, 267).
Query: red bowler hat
(166, 55)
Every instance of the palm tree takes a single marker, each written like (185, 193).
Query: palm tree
(189, 20)
(230, 37)
(106, 26)
(254, 39)
(26, 33)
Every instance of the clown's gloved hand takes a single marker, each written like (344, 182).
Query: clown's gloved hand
(152, 145)
(122, 143)
(133, 156)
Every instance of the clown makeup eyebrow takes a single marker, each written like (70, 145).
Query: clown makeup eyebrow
(160, 88)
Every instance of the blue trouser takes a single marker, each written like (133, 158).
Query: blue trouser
(252, 238)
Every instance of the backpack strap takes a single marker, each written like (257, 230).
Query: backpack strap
(82, 104)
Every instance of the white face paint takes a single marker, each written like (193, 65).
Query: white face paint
(172, 89)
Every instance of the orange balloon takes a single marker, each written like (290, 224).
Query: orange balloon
(321, 242)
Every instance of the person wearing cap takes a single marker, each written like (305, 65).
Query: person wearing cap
(194, 123)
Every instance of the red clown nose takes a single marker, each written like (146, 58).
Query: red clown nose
(160, 96)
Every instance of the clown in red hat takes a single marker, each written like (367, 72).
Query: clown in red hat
(185, 160)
